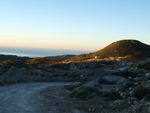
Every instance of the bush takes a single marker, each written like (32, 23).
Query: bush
(85, 93)
(112, 95)
(72, 75)
(144, 66)
(61, 66)
(125, 73)
(147, 97)
(140, 92)
(104, 81)
(72, 86)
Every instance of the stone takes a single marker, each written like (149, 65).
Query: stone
(136, 83)
(130, 88)
(129, 102)
(130, 78)
(147, 74)
(131, 92)
(147, 84)
(118, 79)
(136, 78)
(117, 89)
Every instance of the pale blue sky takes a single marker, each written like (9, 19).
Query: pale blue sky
(73, 24)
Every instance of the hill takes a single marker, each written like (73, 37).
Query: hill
(125, 48)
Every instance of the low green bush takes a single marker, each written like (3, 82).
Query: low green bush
(112, 95)
(85, 93)
(140, 92)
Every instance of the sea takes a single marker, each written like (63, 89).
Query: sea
(38, 52)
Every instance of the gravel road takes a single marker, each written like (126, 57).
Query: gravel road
(24, 98)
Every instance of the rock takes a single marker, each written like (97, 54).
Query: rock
(117, 89)
(122, 95)
(131, 92)
(130, 88)
(147, 74)
(130, 78)
(129, 102)
(123, 68)
(118, 79)
(136, 83)
(147, 84)
(136, 78)
(91, 109)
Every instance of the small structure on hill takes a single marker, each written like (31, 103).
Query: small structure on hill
(97, 57)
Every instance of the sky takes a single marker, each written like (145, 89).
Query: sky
(73, 24)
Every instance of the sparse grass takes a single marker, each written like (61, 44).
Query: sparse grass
(112, 95)
(104, 81)
(140, 92)
(85, 93)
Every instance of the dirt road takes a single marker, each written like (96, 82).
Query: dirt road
(26, 98)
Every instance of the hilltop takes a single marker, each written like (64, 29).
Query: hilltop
(124, 48)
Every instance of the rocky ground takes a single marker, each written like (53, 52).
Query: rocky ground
(111, 87)
(75, 71)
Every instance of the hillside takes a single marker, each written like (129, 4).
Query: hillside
(12, 57)
(48, 60)
(130, 48)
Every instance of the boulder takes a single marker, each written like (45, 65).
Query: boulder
(117, 79)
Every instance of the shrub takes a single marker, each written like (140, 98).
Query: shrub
(72, 75)
(144, 66)
(112, 95)
(104, 81)
(140, 92)
(85, 93)
(147, 97)
(61, 66)
(125, 73)
(72, 86)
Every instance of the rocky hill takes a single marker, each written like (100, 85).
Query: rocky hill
(125, 48)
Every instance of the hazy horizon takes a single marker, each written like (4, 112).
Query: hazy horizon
(38, 52)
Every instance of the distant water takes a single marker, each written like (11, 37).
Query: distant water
(32, 52)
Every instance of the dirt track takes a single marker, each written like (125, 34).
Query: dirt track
(25, 98)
